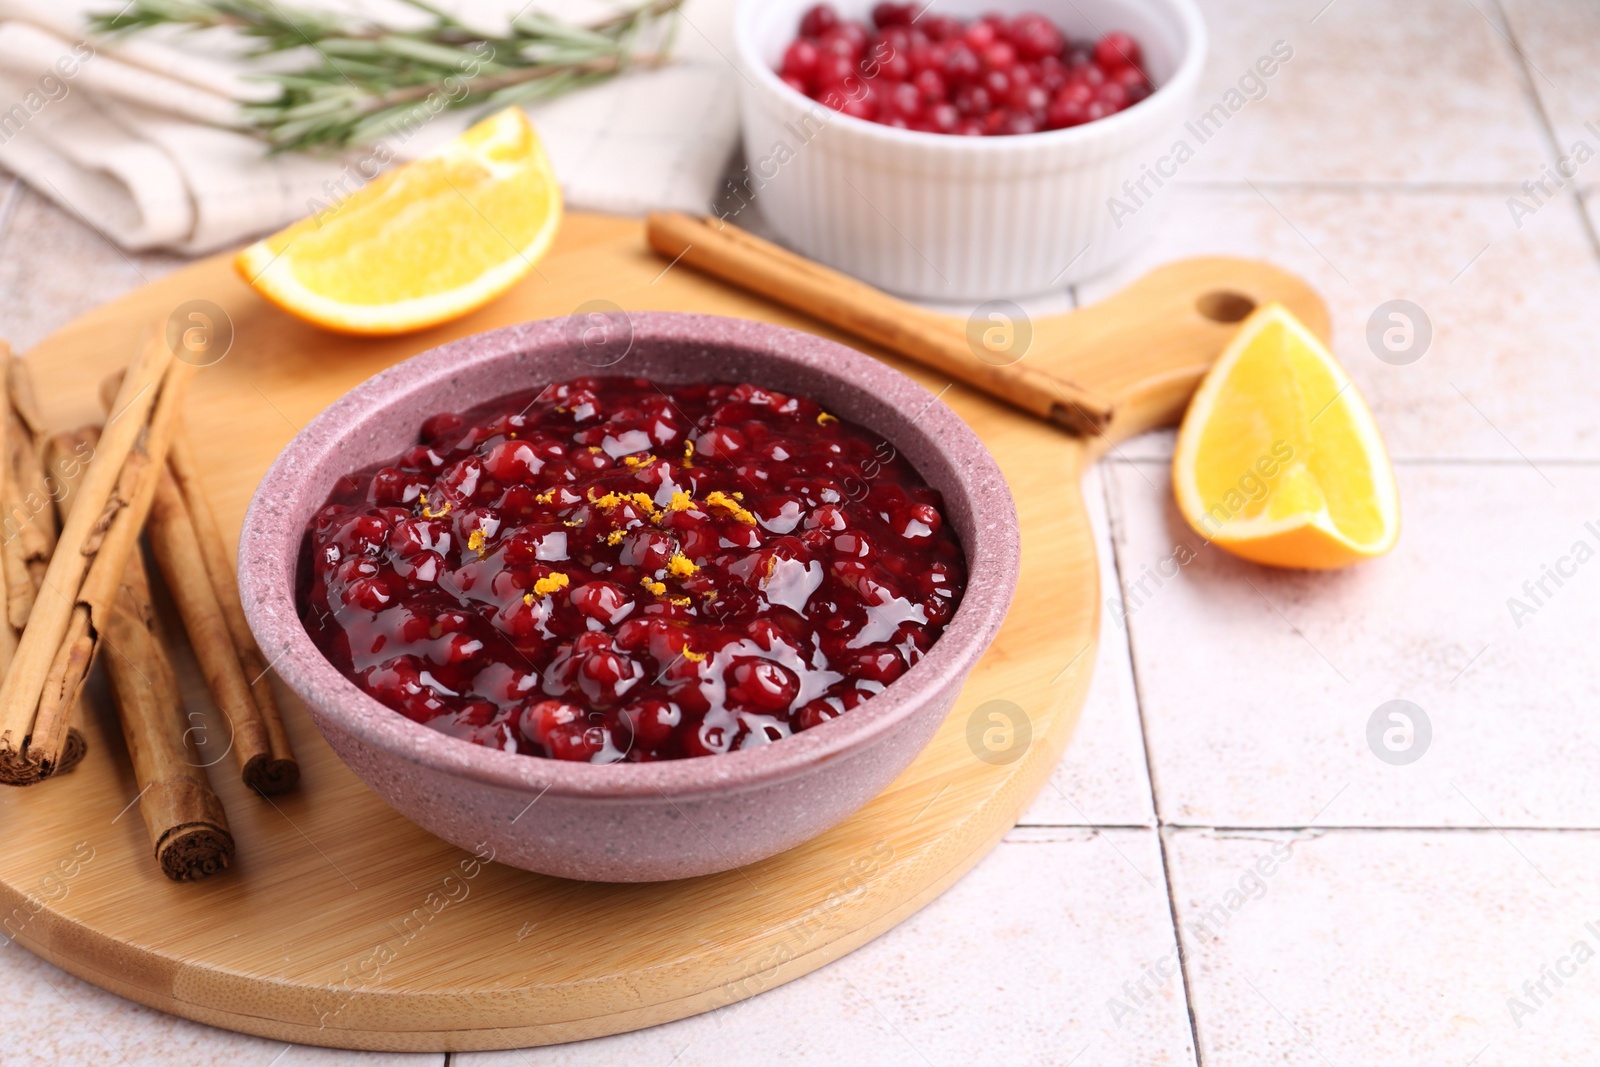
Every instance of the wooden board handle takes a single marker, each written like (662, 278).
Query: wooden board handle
(934, 340)
(1115, 368)
(1146, 346)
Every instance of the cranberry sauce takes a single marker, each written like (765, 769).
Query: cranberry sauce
(613, 570)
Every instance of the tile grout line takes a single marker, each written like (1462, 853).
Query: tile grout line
(1114, 523)
(1575, 194)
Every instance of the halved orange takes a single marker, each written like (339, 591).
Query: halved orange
(421, 244)
(1278, 459)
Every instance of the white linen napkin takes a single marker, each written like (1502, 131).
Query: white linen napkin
(127, 133)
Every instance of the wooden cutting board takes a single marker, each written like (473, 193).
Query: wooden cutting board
(321, 933)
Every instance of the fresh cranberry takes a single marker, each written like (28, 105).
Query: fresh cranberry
(1116, 50)
(1092, 76)
(891, 66)
(1035, 37)
(979, 35)
(833, 71)
(1052, 73)
(1113, 95)
(898, 38)
(944, 118)
(1028, 98)
(1070, 106)
(1130, 78)
(858, 107)
(997, 82)
(930, 86)
(885, 15)
(800, 62)
(818, 20)
(999, 56)
(973, 101)
(903, 100)
(846, 39)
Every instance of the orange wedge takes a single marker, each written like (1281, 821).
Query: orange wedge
(421, 244)
(1279, 460)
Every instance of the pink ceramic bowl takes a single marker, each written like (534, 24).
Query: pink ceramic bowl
(630, 822)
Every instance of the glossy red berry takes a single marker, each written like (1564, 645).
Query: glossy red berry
(885, 15)
(1035, 37)
(818, 20)
(1116, 50)
(800, 62)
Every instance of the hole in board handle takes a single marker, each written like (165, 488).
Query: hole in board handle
(1224, 306)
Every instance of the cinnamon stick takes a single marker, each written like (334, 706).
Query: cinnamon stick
(36, 524)
(195, 563)
(28, 526)
(181, 558)
(225, 580)
(186, 822)
(85, 572)
(18, 585)
(745, 260)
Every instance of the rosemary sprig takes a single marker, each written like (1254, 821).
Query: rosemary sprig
(364, 81)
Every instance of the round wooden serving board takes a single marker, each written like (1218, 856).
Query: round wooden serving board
(328, 928)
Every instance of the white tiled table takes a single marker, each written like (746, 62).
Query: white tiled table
(1331, 908)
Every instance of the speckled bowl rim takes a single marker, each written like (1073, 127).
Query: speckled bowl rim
(992, 560)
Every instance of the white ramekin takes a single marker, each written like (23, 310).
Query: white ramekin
(962, 218)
